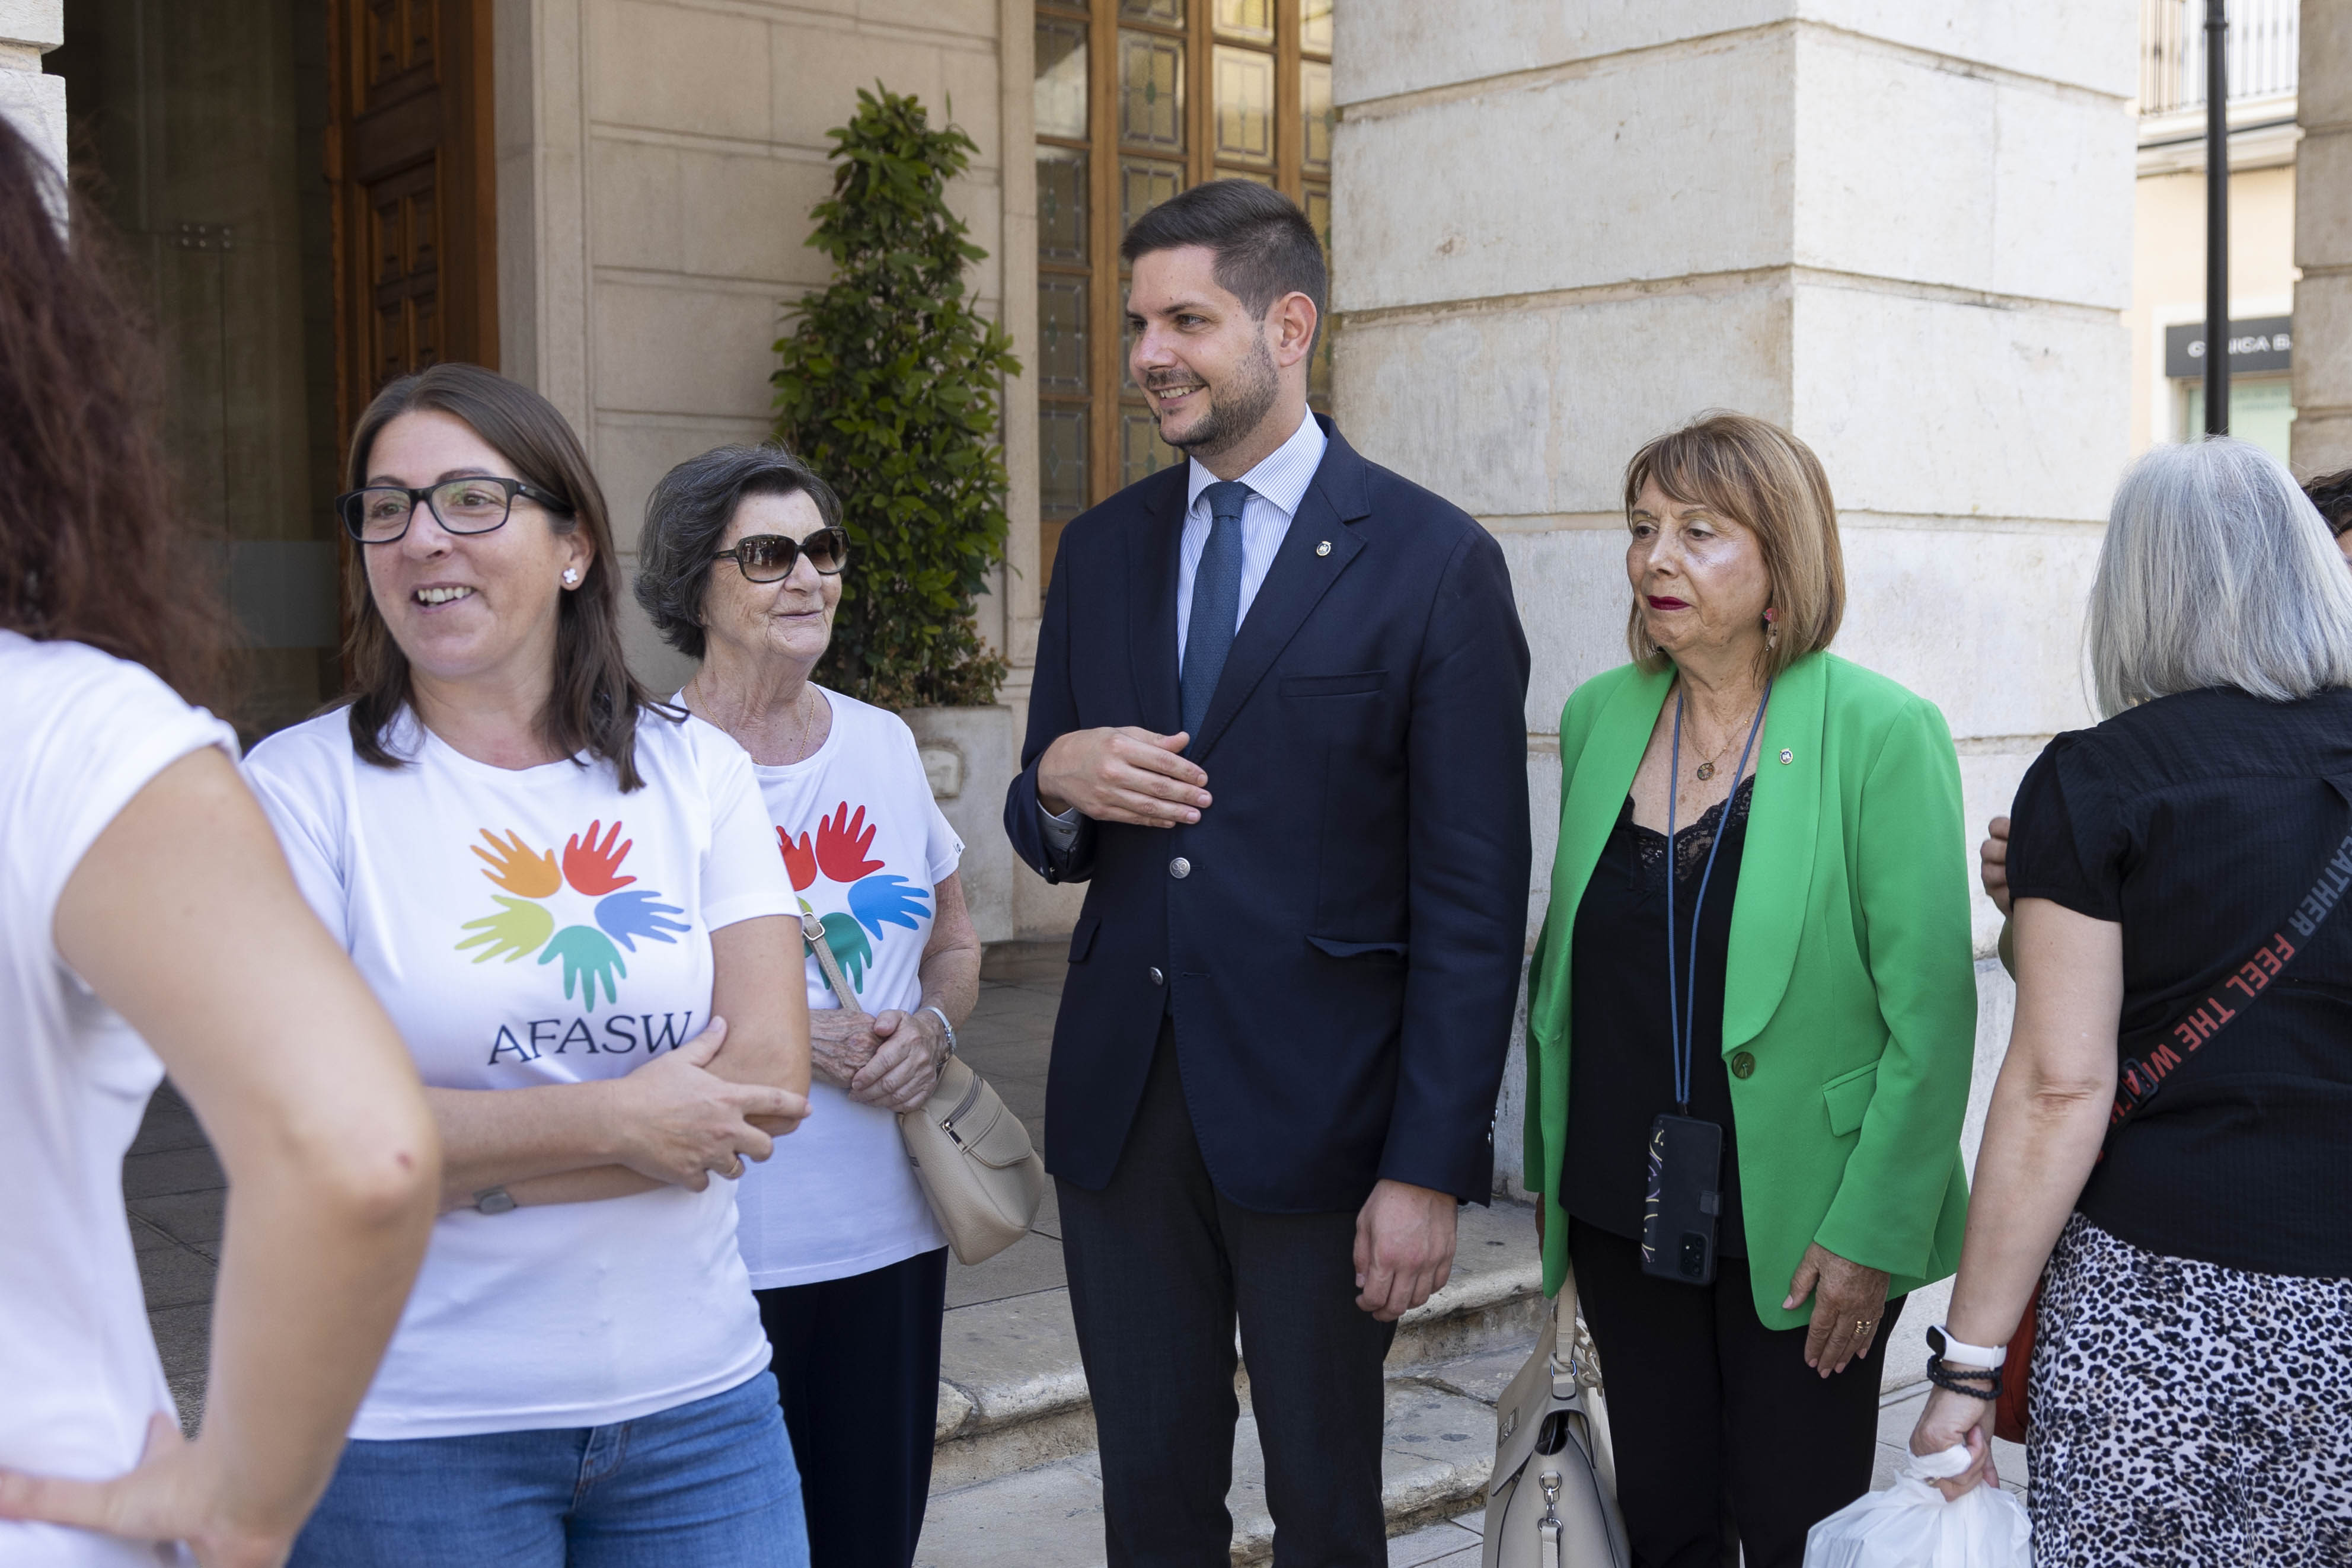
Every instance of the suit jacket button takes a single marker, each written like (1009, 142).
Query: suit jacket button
(1743, 1065)
(1179, 868)
(1157, 977)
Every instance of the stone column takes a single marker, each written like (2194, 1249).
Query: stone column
(1901, 229)
(2323, 242)
(34, 102)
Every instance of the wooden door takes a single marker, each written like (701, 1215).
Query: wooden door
(412, 159)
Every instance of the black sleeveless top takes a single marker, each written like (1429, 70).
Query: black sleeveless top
(1620, 1071)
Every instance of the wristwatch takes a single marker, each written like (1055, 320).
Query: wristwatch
(1942, 1344)
(494, 1200)
(936, 1013)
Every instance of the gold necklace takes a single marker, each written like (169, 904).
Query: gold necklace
(1706, 770)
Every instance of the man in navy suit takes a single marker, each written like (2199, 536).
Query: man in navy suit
(1277, 727)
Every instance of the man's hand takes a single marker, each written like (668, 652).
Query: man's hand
(1405, 1248)
(177, 1493)
(1125, 775)
(1992, 856)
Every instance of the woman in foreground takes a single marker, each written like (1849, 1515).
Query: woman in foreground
(2171, 1133)
(147, 914)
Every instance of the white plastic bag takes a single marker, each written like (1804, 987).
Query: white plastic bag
(1910, 1525)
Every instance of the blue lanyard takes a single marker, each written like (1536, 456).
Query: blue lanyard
(1682, 1017)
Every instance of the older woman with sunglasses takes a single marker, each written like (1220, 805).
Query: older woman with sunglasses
(741, 569)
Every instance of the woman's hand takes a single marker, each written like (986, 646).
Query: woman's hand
(176, 1493)
(905, 1067)
(842, 1040)
(678, 1123)
(1848, 1302)
(1992, 863)
(1951, 1421)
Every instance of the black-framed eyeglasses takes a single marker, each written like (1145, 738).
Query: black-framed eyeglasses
(380, 514)
(770, 558)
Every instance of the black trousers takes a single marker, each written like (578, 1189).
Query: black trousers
(1161, 1267)
(1725, 1437)
(857, 1366)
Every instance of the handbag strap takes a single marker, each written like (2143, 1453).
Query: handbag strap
(2140, 1077)
(813, 927)
(1574, 1362)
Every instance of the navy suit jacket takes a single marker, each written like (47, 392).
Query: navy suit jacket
(1341, 954)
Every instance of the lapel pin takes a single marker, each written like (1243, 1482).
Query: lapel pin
(1786, 757)
(1323, 548)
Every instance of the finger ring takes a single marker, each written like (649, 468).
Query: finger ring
(735, 1173)
(1862, 1325)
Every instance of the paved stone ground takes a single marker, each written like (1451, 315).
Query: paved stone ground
(173, 1190)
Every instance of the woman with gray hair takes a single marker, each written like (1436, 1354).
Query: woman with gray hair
(741, 569)
(2172, 1130)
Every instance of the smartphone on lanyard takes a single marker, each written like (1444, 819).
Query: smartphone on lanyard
(1683, 1200)
(1682, 1191)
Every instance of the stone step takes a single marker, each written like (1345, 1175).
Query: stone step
(1016, 1432)
(1438, 1446)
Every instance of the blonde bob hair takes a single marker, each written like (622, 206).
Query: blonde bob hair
(2217, 571)
(1770, 483)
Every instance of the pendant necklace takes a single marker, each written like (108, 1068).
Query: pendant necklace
(1706, 770)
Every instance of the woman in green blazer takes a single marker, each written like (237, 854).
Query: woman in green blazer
(1821, 1010)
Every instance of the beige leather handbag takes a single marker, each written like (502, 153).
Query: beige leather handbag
(972, 1155)
(1552, 1499)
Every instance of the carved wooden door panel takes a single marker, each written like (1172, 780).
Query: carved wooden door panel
(412, 159)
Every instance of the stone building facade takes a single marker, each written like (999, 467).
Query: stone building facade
(1904, 229)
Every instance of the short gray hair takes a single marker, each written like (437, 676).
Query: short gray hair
(687, 515)
(2217, 571)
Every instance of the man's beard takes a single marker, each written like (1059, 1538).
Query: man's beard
(1236, 409)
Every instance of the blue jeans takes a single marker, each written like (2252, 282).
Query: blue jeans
(711, 1483)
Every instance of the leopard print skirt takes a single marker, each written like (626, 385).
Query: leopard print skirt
(2185, 1414)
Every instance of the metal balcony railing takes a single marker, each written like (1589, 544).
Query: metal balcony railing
(2260, 58)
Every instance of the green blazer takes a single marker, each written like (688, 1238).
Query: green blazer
(1850, 988)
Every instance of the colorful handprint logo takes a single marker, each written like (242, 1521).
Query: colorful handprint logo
(841, 851)
(525, 923)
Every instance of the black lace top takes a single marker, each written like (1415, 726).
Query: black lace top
(1620, 1064)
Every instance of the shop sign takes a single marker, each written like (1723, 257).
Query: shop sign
(2255, 347)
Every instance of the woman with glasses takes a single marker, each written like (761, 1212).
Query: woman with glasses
(743, 552)
(567, 897)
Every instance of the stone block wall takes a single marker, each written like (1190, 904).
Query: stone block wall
(1901, 229)
(658, 160)
(2323, 242)
(35, 103)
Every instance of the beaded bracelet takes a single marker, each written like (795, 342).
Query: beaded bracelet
(1964, 1381)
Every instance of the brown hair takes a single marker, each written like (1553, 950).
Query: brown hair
(1768, 482)
(595, 702)
(93, 545)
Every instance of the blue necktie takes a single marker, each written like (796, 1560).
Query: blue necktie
(1216, 601)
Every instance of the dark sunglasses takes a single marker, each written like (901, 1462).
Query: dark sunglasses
(770, 558)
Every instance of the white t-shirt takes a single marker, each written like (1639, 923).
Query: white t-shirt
(528, 926)
(866, 846)
(79, 1375)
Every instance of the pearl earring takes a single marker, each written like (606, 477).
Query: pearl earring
(571, 576)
